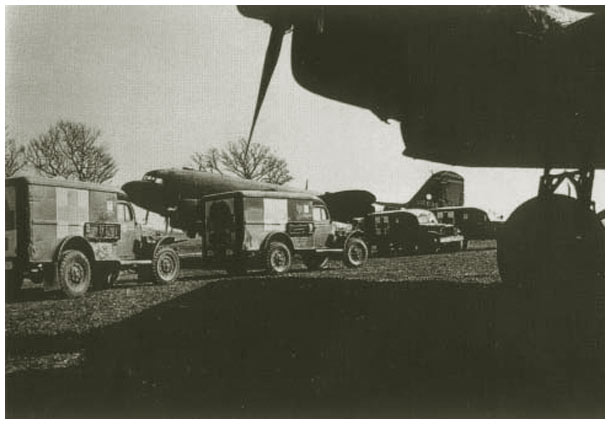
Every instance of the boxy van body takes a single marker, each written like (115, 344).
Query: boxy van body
(243, 228)
(68, 234)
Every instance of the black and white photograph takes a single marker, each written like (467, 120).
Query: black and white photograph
(304, 212)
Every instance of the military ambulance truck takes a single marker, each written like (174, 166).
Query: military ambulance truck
(266, 229)
(75, 236)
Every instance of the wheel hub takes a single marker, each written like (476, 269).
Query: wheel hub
(356, 253)
(279, 259)
(76, 274)
(167, 265)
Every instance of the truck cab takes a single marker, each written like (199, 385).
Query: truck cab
(252, 228)
(73, 236)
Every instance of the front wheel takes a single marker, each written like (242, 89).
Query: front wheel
(278, 258)
(74, 273)
(355, 253)
(165, 265)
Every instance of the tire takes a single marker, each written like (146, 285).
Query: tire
(315, 261)
(74, 273)
(106, 276)
(165, 265)
(465, 244)
(355, 253)
(278, 258)
(13, 282)
(550, 241)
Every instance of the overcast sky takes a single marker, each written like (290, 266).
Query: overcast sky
(163, 82)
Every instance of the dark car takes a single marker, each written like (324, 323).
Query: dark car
(474, 223)
(410, 231)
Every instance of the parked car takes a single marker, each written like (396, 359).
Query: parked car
(73, 236)
(409, 231)
(474, 223)
(266, 229)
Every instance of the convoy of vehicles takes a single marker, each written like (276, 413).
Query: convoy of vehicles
(409, 231)
(74, 236)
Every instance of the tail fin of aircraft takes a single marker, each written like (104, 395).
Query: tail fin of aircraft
(444, 188)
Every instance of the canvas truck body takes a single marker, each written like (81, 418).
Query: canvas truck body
(68, 234)
(243, 228)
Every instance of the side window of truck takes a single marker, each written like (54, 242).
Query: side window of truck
(124, 213)
(319, 214)
(300, 210)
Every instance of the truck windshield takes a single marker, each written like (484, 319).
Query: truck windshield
(426, 218)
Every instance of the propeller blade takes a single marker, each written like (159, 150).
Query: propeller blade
(271, 58)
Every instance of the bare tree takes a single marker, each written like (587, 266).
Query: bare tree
(251, 162)
(71, 150)
(14, 155)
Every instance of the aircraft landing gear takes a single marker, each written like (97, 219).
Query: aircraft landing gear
(553, 240)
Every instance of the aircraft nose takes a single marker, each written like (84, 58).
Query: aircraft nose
(147, 195)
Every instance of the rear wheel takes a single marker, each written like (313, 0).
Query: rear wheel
(355, 253)
(165, 265)
(74, 273)
(278, 258)
(315, 261)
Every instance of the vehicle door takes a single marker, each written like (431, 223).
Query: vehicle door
(220, 226)
(130, 231)
(322, 227)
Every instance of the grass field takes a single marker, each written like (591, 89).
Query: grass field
(420, 336)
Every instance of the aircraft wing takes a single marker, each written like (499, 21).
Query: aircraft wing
(514, 86)
(165, 191)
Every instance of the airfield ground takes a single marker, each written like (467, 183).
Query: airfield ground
(419, 336)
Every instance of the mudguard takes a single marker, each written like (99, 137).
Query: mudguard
(276, 235)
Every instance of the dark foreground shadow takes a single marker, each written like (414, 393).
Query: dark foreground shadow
(306, 348)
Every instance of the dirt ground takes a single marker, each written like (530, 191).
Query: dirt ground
(430, 336)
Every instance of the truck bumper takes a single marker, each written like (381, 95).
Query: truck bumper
(451, 239)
